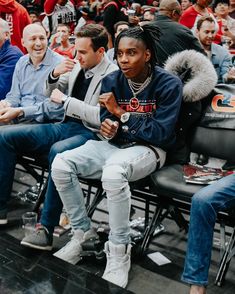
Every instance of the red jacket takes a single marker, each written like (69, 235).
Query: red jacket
(17, 17)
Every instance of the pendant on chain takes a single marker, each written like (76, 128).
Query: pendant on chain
(134, 103)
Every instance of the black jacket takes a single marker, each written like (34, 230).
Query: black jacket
(174, 38)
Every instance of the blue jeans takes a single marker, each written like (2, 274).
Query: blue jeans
(115, 167)
(43, 139)
(206, 203)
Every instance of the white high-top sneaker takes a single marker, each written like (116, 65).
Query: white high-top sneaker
(71, 251)
(118, 263)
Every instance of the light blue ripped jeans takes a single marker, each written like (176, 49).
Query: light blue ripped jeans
(115, 167)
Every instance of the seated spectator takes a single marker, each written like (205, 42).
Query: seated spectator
(34, 16)
(225, 22)
(26, 101)
(118, 28)
(59, 11)
(17, 17)
(140, 104)
(186, 4)
(206, 203)
(219, 56)
(60, 42)
(192, 14)
(9, 55)
(81, 123)
(149, 15)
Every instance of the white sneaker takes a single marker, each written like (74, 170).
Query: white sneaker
(71, 251)
(118, 263)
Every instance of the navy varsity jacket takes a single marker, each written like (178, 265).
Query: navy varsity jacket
(153, 114)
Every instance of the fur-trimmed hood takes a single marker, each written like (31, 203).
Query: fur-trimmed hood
(196, 72)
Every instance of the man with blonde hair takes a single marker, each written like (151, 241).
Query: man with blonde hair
(9, 55)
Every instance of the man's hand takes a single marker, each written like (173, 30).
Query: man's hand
(4, 104)
(65, 66)
(9, 113)
(108, 100)
(231, 74)
(109, 128)
(56, 96)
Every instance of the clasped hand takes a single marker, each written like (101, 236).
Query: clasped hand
(108, 127)
(56, 96)
(9, 113)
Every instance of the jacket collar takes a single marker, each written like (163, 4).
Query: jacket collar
(96, 69)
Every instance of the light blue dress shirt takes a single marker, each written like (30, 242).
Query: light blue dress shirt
(222, 61)
(28, 87)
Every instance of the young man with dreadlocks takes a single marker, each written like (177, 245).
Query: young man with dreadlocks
(140, 104)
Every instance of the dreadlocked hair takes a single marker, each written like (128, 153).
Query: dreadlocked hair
(149, 33)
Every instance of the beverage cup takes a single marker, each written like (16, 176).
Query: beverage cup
(59, 38)
(131, 15)
(29, 222)
(131, 12)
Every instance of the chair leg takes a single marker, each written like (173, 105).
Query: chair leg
(178, 218)
(224, 264)
(41, 197)
(150, 229)
(99, 196)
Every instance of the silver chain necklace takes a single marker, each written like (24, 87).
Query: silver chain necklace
(136, 88)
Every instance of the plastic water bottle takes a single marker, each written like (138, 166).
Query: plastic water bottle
(59, 38)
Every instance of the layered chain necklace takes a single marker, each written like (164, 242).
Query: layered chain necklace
(136, 88)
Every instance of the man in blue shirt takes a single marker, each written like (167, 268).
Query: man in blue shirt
(26, 101)
(9, 55)
(219, 56)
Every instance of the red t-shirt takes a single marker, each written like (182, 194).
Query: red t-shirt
(189, 16)
(17, 17)
(69, 52)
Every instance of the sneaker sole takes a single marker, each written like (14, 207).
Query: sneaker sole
(46, 248)
(3, 221)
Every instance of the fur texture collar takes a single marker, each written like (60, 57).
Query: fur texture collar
(196, 72)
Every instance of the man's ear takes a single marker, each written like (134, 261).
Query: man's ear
(22, 42)
(8, 36)
(101, 50)
(197, 33)
(147, 55)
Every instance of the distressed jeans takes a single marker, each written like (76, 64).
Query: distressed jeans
(115, 167)
(206, 203)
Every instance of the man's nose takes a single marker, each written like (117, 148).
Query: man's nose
(123, 58)
(38, 42)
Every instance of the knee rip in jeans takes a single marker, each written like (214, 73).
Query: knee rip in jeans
(62, 174)
(114, 178)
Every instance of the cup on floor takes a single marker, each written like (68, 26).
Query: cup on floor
(29, 222)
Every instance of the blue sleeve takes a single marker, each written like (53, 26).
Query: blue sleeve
(7, 67)
(158, 128)
(106, 86)
(225, 66)
(14, 96)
